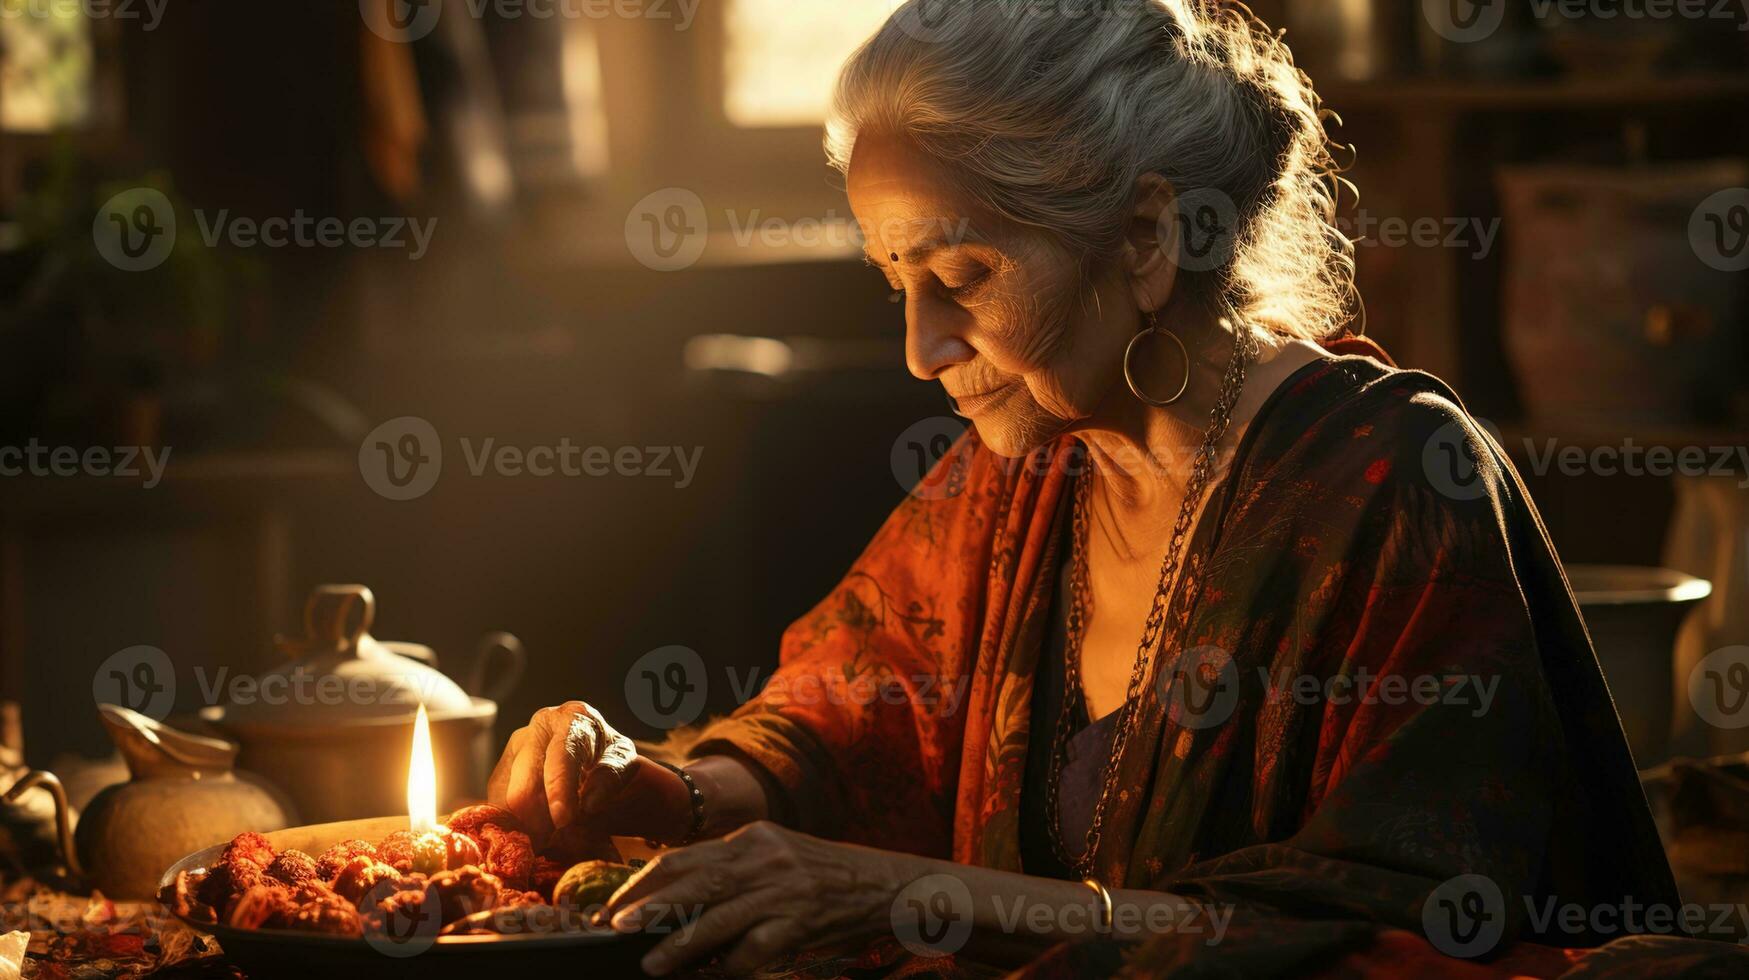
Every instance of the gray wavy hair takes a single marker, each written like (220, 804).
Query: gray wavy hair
(1049, 110)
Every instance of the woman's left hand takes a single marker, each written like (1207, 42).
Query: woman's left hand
(755, 895)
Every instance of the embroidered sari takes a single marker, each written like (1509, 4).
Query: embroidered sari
(1377, 682)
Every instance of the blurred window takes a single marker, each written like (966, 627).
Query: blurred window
(783, 56)
(45, 66)
(580, 69)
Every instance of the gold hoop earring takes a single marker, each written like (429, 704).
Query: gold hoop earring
(1129, 374)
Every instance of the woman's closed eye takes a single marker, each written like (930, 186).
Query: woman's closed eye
(955, 285)
(962, 284)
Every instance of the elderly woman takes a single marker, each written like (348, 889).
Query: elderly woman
(1205, 643)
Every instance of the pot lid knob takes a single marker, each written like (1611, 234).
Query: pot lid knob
(335, 618)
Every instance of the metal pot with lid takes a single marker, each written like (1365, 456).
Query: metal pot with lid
(333, 727)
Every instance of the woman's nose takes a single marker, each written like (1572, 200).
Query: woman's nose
(934, 340)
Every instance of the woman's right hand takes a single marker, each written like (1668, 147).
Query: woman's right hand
(568, 767)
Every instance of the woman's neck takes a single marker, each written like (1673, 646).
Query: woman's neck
(1142, 455)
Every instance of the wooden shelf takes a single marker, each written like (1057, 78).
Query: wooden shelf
(1532, 95)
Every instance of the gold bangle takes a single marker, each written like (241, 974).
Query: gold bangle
(1104, 902)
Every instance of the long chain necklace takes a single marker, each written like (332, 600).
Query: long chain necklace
(1202, 469)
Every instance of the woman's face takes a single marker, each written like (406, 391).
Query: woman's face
(995, 311)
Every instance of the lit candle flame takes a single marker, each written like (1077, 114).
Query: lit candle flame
(422, 779)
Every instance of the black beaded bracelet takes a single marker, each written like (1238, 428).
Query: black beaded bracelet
(695, 797)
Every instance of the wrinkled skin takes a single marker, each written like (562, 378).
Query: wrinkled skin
(755, 895)
(565, 763)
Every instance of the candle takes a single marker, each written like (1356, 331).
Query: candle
(422, 779)
(434, 847)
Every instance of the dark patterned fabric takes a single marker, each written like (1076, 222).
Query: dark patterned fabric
(1382, 684)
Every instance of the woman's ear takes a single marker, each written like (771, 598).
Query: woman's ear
(1152, 242)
